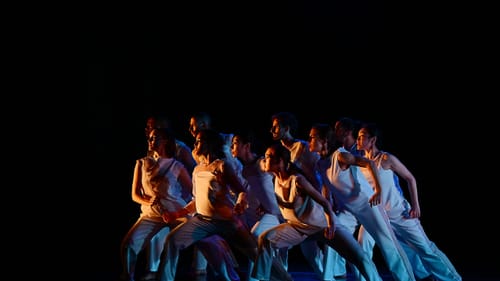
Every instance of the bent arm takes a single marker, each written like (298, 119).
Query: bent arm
(266, 196)
(186, 157)
(138, 195)
(347, 159)
(370, 166)
(238, 185)
(318, 197)
(186, 183)
(400, 169)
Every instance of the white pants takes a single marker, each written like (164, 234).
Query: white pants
(421, 250)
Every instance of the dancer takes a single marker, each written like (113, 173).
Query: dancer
(403, 216)
(308, 215)
(340, 171)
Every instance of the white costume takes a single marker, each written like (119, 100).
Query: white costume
(407, 230)
(305, 219)
(320, 258)
(351, 188)
(158, 180)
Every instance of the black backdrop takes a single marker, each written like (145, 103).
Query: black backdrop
(129, 71)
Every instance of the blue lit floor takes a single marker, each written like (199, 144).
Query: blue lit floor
(298, 268)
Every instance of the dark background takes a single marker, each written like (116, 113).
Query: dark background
(244, 66)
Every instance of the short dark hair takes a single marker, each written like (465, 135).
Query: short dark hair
(287, 119)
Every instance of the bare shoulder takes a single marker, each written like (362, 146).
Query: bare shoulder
(346, 157)
(301, 181)
(387, 156)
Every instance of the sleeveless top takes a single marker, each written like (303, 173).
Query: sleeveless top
(305, 160)
(159, 179)
(212, 194)
(299, 208)
(260, 193)
(392, 199)
(345, 184)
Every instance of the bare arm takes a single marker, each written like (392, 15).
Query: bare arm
(187, 188)
(138, 195)
(186, 182)
(393, 163)
(309, 160)
(186, 157)
(189, 208)
(238, 185)
(347, 159)
(302, 183)
(266, 196)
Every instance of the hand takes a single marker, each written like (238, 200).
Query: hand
(239, 208)
(260, 211)
(375, 199)
(169, 217)
(329, 232)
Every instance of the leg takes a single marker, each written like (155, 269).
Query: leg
(154, 252)
(220, 257)
(367, 243)
(412, 235)
(134, 242)
(281, 236)
(266, 222)
(347, 246)
(200, 263)
(313, 255)
(336, 261)
(376, 222)
(183, 236)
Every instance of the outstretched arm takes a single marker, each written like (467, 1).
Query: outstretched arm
(347, 159)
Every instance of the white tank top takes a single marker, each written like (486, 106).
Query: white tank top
(346, 184)
(299, 207)
(392, 199)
